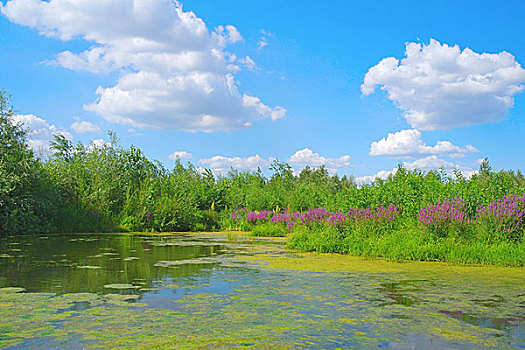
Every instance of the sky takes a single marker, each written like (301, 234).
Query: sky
(359, 86)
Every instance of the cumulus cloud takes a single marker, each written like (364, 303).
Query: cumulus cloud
(84, 127)
(40, 133)
(175, 72)
(434, 163)
(306, 157)
(300, 159)
(180, 155)
(441, 87)
(221, 164)
(98, 143)
(382, 174)
(428, 163)
(409, 143)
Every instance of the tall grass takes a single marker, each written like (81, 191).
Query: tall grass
(443, 232)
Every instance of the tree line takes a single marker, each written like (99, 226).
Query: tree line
(83, 188)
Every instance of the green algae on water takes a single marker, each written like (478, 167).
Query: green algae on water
(260, 296)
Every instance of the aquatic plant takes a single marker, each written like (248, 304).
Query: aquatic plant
(372, 216)
(262, 216)
(503, 219)
(373, 221)
(337, 219)
(237, 220)
(441, 218)
(286, 218)
(269, 230)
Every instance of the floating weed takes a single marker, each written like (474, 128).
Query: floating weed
(123, 300)
(12, 290)
(89, 267)
(131, 258)
(121, 286)
(176, 263)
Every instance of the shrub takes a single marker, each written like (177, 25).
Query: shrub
(209, 220)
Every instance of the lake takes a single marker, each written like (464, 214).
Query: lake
(99, 291)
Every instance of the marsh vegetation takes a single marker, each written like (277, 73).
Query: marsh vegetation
(412, 215)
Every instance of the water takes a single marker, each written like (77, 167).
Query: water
(208, 291)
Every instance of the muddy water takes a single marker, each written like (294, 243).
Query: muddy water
(218, 291)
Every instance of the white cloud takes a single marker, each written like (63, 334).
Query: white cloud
(409, 143)
(98, 143)
(248, 62)
(435, 163)
(40, 133)
(468, 173)
(84, 127)
(300, 159)
(479, 161)
(180, 155)
(427, 163)
(175, 72)
(382, 174)
(221, 164)
(228, 34)
(94, 60)
(440, 87)
(265, 36)
(306, 157)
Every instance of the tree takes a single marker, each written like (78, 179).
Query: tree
(21, 182)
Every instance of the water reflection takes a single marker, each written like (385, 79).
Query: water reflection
(83, 263)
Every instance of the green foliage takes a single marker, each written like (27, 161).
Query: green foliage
(318, 238)
(26, 196)
(409, 243)
(92, 188)
(269, 230)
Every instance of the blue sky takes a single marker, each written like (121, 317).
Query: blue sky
(239, 83)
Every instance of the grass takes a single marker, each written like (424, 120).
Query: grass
(269, 230)
(408, 244)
